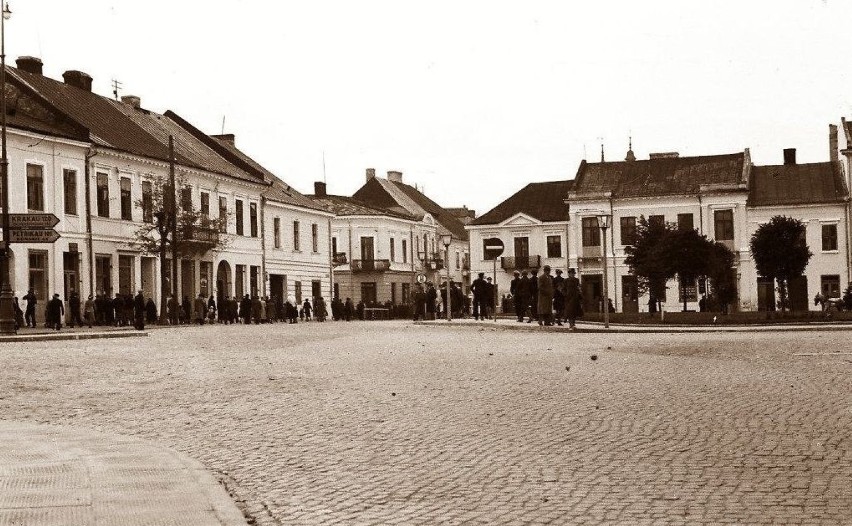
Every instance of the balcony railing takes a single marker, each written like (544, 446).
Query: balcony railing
(520, 262)
(591, 252)
(339, 258)
(370, 265)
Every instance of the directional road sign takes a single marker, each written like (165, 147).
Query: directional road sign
(33, 220)
(47, 235)
(493, 248)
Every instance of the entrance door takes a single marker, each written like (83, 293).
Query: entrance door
(103, 275)
(276, 285)
(765, 294)
(799, 293)
(630, 294)
(71, 268)
(126, 278)
(38, 281)
(187, 279)
(592, 289)
(223, 280)
(148, 272)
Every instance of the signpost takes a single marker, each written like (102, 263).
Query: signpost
(23, 221)
(31, 228)
(33, 236)
(492, 249)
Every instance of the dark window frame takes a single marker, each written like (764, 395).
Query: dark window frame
(69, 187)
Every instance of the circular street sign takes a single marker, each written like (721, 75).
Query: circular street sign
(421, 278)
(492, 248)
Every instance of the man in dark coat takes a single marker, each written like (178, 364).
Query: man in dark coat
(533, 300)
(74, 307)
(573, 299)
(172, 309)
(490, 296)
(139, 311)
(29, 315)
(55, 312)
(521, 296)
(118, 307)
(245, 310)
(479, 288)
(348, 309)
(558, 296)
(545, 297)
(151, 311)
(431, 300)
(419, 303)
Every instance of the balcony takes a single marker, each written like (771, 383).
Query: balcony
(520, 262)
(591, 252)
(370, 265)
(339, 258)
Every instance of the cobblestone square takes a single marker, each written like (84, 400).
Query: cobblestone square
(392, 423)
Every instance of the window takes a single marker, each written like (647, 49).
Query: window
(591, 232)
(830, 286)
(368, 292)
(126, 205)
(253, 219)
(406, 293)
(522, 247)
(417, 239)
(657, 220)
(405, 251)
(829, 237)
(147, 202)
(223, 214)
(298, 286)
(276, 232)
(393, 293)
(205, 204)
(296, 236)
(458, 260)
(684, 222)
(125, 274)
(69, 180)
(238, 210)
(186, 198)
(315, 237)
(392, 250)
(628, 230)
(688, 291)
(724, 220)
(316, 288)
(554, 246)
(254, 272)
(103, 194)
(239, 280)
(35, 187)
(367, 250)
(333, 246)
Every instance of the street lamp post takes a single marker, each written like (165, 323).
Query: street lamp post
(446, 239)
(7, 311)
(603, 222)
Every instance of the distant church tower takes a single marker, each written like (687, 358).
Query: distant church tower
(630, 156)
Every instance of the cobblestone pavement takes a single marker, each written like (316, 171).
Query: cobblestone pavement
(390, 423)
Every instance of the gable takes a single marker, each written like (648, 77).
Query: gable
(520, 219)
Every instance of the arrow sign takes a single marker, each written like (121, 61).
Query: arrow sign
(33, 220)
(33, 236)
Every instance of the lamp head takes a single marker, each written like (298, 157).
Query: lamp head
(7, 13)
(603, 221)
(446, 239)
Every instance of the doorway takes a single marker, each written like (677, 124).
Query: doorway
(223, 280)
(103, 277)
(765, 294)
(71, 270)
(799, 293)
(592, 289)
(629, 295)
(187, 279)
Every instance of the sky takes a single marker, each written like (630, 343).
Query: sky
(471, 100)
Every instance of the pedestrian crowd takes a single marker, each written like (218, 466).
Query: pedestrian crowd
(544, 298)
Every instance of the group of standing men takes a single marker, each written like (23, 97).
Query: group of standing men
(545, 298)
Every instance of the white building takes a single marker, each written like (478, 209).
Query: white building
(533, 226)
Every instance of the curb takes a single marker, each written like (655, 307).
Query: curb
(46, 337)
(634, 329)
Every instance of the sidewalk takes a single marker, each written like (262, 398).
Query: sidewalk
(77, 333)
(61, 475)
(582, 326)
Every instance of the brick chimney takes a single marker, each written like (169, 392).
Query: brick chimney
(227, 137)
(319, 189)
(371, 174)
(789, 156)
(394, 176)
(132, 100)
(78, 79)
(832, 142)
(29, 64)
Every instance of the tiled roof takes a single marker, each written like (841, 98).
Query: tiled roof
(349, 206)
(543, 201)
(660, 176)
(793, 184)
(444, 217)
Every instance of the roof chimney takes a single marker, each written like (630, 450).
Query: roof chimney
(132, 100)
(227, 137)
(789, 156)
(371, 174)
(29, 64)
(394, 176)
(832, 142)
(78, 79)
(319, 189)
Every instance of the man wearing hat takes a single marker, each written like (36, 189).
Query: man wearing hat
(545, 297)
(573, 299)
(479, 287)
(515, 290)
(558, 296)
(55, 312)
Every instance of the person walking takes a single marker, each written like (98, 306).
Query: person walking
(573, 299)
(55, 312)
(139, 311)
(306, 306)
(29, 315)
(89, 311)
(74, 307)
(545, 297)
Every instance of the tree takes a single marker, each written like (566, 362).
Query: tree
(178, 231)
(780, 252)
(662, 252)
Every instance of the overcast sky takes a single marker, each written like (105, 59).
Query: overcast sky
(470, 100)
